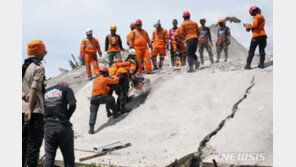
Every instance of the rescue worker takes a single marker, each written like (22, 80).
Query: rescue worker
(99, 96)
(113, 45)
(171, 34)
(203, 41)
(60, 104)
(88, 49)
(179, 49)
(160, 41)
(128, 37)
(124, 71)
(139, 41)
(259, 37)
(190, 30)
(223, 40)
(132, 58)
(33, 89)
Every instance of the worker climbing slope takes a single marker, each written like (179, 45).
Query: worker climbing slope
(99, 96)
(190, 30)
(179, 49)
(89, 47)
(139, 41)
(203, 41)
(223, 40)
(160, 42)
(171, 34)
(113, 45)
(259, 36)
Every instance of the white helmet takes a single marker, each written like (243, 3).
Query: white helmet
(132, 52)
(89, 31)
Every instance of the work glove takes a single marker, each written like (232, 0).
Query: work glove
(122, 53)
(106, 54)
(228, 42)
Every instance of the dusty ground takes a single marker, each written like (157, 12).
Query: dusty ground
(180, 111)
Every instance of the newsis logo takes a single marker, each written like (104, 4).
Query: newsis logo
(243, 157)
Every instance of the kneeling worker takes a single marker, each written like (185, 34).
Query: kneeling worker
(58, 129)
(99, 96)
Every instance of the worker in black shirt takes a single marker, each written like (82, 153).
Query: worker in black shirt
(60, 103)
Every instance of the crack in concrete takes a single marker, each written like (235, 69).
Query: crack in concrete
(195, 159)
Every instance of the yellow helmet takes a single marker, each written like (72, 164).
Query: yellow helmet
(113, 27)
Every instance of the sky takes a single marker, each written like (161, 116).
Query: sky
(61, 24)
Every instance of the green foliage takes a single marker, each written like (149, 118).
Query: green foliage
(72, 65)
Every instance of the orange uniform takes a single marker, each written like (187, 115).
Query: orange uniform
(121, 67)
(128, 37)
(178, 46)
(100, 85)
(88, 50)
(139, 40)
(189, 29)
(258, 25)
(160, 41)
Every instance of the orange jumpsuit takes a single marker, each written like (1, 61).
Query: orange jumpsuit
(257, 26)
(88, 50)
(100, 85)
(178, 46)
(160, 40)
(139, 40)
(121, 67)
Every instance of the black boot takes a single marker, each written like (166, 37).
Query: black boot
(190, 70)
(261, 65)
(91, 129)
(197, 63)
(248, 67)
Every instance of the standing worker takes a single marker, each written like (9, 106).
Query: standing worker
(128, 37)
(171, 34)
(223, 40)
(259, 37)
(203, 41)
(160, 42)
(190, 30)
(88, 49)
(139, 41)
(179, 49)
(99, 96)
(58, 128)
(33, 90)
(113, 45)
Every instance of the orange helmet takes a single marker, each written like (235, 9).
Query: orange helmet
(104, 69)
(138, 22)
(36, 48)
(222, 21)
(118, 60)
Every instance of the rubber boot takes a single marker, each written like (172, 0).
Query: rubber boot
(161, 62)
(154, 65)
(109, 114)
(91, 129)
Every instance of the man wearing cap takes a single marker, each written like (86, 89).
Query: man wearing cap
(33, 103)
(60, 104)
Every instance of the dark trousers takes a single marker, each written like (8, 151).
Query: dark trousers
(32, 136)
(59, 136)
(172, 54)
(95, 102)
(191, 47)
(261, 41)
(123, 88)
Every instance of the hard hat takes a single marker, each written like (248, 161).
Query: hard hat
(118, 60)
(204, 19)
(104, 69)
(36, 48)
(89, 31)
(138, 22)
(222, 21)
(132, 52)
(252, 9)
(133, 25)
(157, 24)
(113, 27)
(186, 14)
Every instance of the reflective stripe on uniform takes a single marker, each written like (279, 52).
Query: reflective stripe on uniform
(147, 59)
(136, 36)
(87, 64)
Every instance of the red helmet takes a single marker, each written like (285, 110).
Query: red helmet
(252, 9)
(104, 69)
(133, 25)
(118, 60)
(138, 22)
(186, 14)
